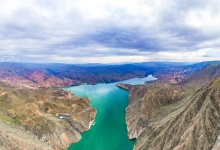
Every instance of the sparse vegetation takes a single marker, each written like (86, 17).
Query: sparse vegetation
(180, 117)
(35, 110)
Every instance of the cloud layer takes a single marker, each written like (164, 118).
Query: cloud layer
(109, 31)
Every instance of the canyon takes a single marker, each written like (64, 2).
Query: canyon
(178, 111)
(180, 116)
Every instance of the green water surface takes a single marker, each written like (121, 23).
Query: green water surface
(110, 130)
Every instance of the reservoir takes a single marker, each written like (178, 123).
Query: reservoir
(109, 131)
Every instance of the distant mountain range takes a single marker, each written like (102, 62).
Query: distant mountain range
(60, 75)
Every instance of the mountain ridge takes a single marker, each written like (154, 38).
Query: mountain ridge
(22, 75)
(156, 111)
(176, 116)
(203, 76)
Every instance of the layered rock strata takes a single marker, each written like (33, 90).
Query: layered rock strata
(143, 100)
(169, 117)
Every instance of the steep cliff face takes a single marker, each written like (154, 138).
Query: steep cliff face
(166, 117)
(35, 111)
(143, 100)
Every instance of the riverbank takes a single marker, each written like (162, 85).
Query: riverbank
(109, 131)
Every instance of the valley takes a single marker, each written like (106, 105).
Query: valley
(180, 109)
(27, 75)
(109, 75)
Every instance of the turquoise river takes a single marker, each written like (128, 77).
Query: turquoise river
(109, 131)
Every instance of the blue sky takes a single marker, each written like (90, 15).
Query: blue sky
(109, 31)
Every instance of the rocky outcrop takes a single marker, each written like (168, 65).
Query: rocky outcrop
(217, 144)
(124, 86)
(143, 100)
(168, 117)
(35, 111)
(13, 137)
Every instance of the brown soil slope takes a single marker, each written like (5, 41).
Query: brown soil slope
(35, 111)
(203, 76)
(144, 99)
(13, 137)
(165, 117)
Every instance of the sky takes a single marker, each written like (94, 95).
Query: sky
(109, 31)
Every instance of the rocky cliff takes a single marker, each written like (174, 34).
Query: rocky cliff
(33, 113)
(170, 117)
(143, 100)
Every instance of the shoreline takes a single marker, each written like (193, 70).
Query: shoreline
(87, 90)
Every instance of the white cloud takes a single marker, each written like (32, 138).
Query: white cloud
(109, 31)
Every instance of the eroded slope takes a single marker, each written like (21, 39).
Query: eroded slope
(203, 76)
(170, 117)
(35, 111)
(143, 100)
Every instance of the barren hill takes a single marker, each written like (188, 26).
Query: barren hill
(33, 113)
(173, 117)
(203, 76)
